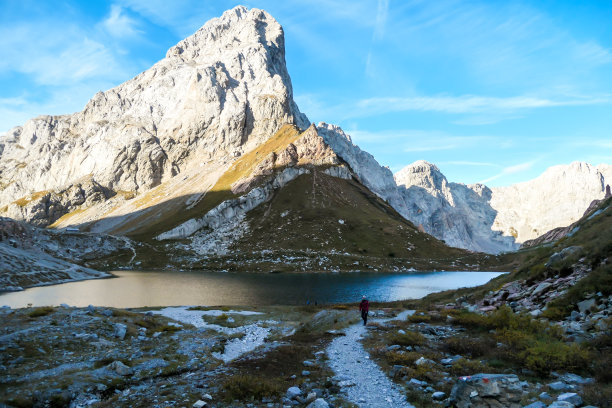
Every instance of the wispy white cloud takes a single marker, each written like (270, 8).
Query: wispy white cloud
(183, 17)
(516, 168)
(502, 44)
(471, 110)
(63, 53)
(61, 62)
(118, 24)
(469, 103)
(597, 143)
(415, 141)
(469, 163)
(382, 12)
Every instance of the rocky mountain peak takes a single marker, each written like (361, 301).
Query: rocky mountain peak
(217, 94)
(425, 175)
(557, 198)
(238, 28)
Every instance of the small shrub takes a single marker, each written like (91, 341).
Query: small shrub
(543, 358)
(40, 311)
(598, 395)
(468, 319)
(169, 328)
(466, 366)
(471, 346)
(410, 338)
(400, 358)
(250, 387)
(419, 318)
(103, 362)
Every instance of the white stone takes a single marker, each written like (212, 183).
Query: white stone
(318, 403)
(570, 397)
(293, 392)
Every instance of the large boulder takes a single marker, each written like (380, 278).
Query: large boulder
(487, 390)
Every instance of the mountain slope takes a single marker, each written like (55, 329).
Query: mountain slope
(294, 204)
(217, 94)
(456, 213)
(498, 219)
(31, 256)
(557, 198)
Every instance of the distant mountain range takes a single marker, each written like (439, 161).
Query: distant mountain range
(207, 150)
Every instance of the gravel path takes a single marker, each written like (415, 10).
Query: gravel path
(362, 379)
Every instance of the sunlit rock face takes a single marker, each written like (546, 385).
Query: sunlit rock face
(557, 198)
(222, 89)
(498, 219)
(458, 214)
(377, 178)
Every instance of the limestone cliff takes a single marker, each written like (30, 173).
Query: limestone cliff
(557, 198)
(498, 219)
(458, 214)
(216, 94)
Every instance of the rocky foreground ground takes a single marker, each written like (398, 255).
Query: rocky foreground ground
(442, 355)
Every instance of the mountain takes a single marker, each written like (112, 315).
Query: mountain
(211, 132)
(204, 161)
(216, 94)
(557, 198)
(498, 219)
(458, 214)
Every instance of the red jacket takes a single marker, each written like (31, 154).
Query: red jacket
(364, 305)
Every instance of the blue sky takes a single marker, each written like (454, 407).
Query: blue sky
(493, 91)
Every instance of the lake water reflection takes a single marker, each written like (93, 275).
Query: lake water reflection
(173, 288)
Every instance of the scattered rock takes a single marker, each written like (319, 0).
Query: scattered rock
(544, 396)
(199, 404)
(438, 396)
(310, 397)
(558, 386)
(423, 360)
(541, 288)
(120, 368)
(563, 254)
(561, 404)
(318, 403)
(586, 305)
(481, 389)
(576, 379)
(537, 404)
(570, 397)
(120, 330)
(451, 360)
(293, 392)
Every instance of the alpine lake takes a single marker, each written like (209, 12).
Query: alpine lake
(135, 289)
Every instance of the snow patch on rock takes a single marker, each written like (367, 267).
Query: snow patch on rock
(254, 334)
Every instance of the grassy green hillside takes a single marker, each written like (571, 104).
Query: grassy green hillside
(320, 222)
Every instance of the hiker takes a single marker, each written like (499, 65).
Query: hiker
(364, 307)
